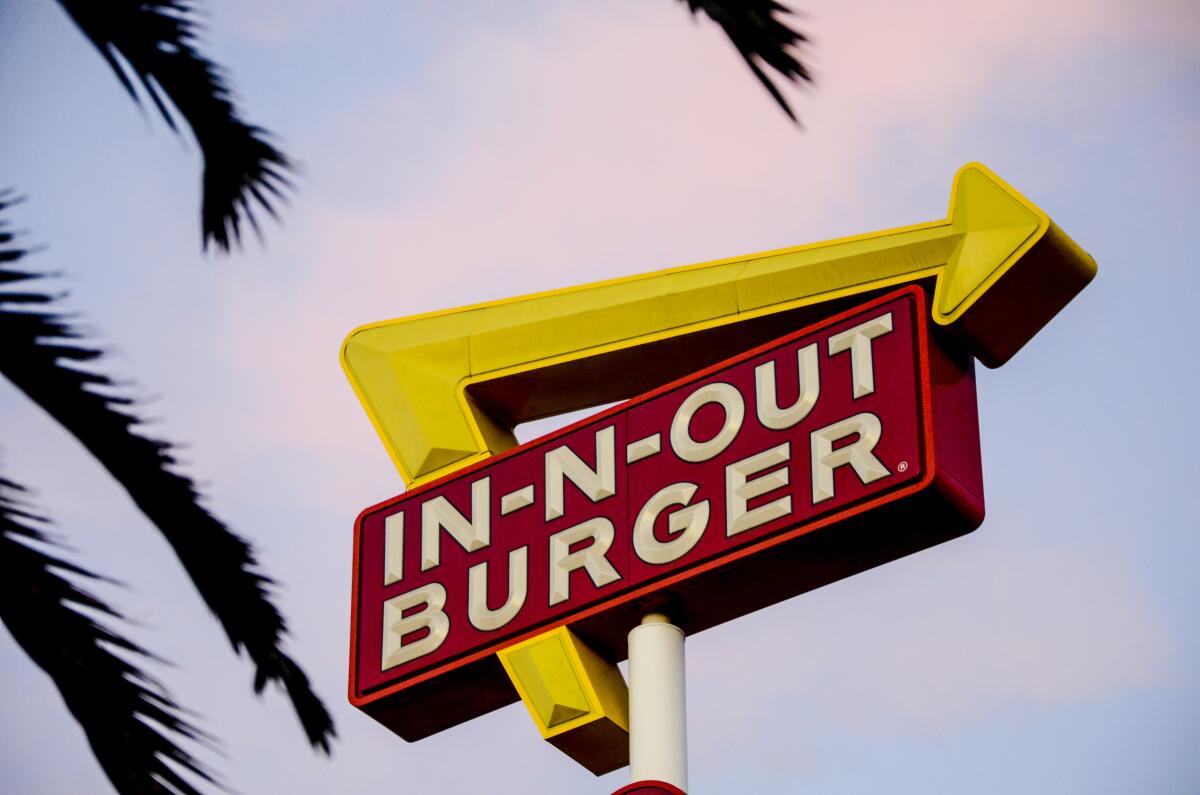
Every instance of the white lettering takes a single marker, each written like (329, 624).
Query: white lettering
(393, 548)
(590, 558)
(740, 489)
(563, 464)
(471, 534)
(858, 341)
(857, 454)
(686, 525)
(483, 617)
(767, 398)
(730, 401)
(396, 625)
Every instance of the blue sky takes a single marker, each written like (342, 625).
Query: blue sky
(461, 152)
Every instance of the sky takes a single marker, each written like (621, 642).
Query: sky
(455, 153)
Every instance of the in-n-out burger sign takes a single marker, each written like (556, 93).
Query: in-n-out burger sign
(816, 456)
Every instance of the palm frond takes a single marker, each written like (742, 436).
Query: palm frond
(153, 43)
(45, 357)
(132, 724)
(761, 38)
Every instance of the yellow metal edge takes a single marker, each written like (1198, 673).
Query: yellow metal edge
(369, 409)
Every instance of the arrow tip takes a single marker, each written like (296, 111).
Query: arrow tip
(997, 224)
(1011, 271)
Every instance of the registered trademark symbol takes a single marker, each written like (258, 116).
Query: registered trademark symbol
(902, 466)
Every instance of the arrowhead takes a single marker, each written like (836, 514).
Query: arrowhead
(997, 224)
(1011, 271)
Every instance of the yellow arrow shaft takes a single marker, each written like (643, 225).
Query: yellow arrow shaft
(534, 331)
(830, 270)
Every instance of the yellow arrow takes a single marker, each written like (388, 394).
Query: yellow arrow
(445, 389)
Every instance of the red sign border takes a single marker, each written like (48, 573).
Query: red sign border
(930, 473)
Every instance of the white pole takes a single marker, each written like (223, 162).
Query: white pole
(657, 703)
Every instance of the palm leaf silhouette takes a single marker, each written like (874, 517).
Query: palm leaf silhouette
(134, 727)
(41, 356)
(761, 38)
(153, 42)
(116, 702)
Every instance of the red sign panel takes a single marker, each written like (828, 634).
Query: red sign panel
(819, 455)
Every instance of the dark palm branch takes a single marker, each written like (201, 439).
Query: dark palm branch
(761, 38)
(47, 360)
(153, 42)
(130, 720)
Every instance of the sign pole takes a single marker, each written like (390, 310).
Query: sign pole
(657, 703)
